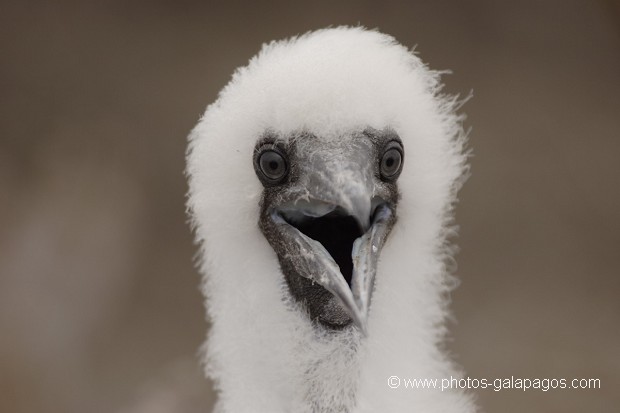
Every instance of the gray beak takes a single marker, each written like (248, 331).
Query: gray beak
(314, 262)
(310, 219)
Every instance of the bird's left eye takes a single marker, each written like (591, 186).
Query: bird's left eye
(272, 166)
(391, 161)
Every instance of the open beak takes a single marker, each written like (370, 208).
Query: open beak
(336, 243)
(328, 221)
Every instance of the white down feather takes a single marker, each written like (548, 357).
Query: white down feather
(262, 352)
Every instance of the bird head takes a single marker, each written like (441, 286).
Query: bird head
(326, 210)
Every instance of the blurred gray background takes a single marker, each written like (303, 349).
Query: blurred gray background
(99, 302)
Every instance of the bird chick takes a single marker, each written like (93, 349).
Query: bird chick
(321, 189)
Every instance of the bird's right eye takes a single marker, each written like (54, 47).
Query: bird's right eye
(391, 161)
(272, 166)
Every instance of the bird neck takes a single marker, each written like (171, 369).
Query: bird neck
(329, 369)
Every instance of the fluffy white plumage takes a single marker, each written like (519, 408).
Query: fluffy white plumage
(262, 351)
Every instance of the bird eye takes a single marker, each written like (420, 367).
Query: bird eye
(391, 161)
(272, 166)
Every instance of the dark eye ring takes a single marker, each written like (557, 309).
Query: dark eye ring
(391, 161)
(271, 165)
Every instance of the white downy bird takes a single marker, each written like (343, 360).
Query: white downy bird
(324, 177)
